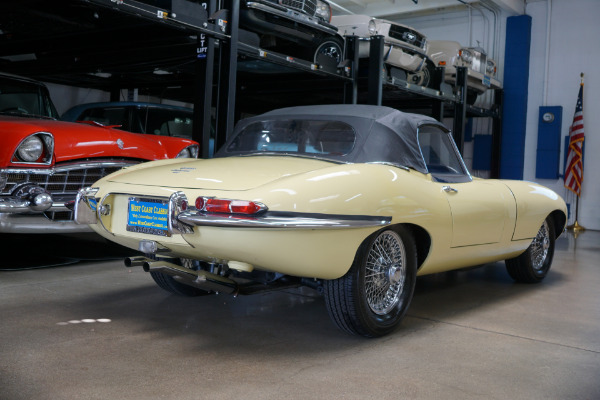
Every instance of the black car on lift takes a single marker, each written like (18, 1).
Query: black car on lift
(297, 28)
(300, 28)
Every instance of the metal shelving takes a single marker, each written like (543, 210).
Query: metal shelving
(215, 56)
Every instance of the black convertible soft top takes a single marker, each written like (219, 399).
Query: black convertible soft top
(383, 134)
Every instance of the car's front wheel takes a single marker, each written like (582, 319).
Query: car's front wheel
(533, 265)
(373, 296)
(423, 77)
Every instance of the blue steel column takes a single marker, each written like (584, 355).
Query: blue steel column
(516, 79)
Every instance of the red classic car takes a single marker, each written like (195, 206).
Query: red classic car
(44, 162)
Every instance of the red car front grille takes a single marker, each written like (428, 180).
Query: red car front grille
(62, 182)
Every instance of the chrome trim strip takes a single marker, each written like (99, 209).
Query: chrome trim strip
(14, 205)
(407, 48)
(67, 167)
(38, 224)
(284, 220)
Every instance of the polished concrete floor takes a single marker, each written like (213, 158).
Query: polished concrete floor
(86, 327)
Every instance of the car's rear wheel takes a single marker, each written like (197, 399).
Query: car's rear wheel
(372, 298)
(533, 265)
(169, 284)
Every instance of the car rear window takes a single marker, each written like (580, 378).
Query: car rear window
(310, 137)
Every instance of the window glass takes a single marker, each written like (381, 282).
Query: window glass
(440, 155)
(169, 122)
(25, 98)
(107, 116)
(296, 136)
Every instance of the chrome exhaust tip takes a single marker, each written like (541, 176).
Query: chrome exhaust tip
(135, 261)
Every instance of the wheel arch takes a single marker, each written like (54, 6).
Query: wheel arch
(560, 220)
(422, 240)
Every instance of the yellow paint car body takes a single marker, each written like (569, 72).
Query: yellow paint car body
(481, 222)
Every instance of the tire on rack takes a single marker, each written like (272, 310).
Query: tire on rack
(423, 77)
(169, 283)
(471, 97)
(329, 52)
(533, 265)
(373, 296)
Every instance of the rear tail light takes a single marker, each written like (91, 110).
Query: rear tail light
(227, 206)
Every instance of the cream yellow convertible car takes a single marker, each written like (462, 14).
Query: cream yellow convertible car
(354, 201)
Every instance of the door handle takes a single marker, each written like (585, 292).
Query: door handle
(449, 189)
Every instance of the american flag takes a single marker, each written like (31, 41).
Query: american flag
(574, 166)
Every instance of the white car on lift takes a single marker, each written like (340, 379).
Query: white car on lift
(404, 47)
(481, 69)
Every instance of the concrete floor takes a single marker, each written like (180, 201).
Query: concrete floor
(89, 328)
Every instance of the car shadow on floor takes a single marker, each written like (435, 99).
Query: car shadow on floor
(33, 251)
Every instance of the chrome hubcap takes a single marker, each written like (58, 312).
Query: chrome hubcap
(539, 247)
(385, 273)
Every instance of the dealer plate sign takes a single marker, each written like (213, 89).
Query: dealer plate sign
(149, 216)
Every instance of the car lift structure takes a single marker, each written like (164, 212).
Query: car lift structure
(220, 45)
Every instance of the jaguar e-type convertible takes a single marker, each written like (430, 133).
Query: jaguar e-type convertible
(352, 200)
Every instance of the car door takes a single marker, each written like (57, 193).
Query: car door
(482, 210)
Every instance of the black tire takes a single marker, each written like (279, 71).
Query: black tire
(533, 265)
(471, 97)
(329, 52)
(373, 305)
(169, 284)
(423, 77)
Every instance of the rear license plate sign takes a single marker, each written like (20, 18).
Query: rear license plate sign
(487, 81)
(149, 216)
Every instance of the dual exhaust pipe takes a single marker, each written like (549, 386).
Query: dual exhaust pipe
(197, 278)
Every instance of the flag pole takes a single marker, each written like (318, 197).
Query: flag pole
(575, 227)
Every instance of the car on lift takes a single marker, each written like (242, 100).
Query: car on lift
(405, 48)
(481, 69)
(299, 28)
(352, 200)
(44, 161)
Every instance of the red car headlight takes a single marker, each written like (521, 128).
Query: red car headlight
(36, 148)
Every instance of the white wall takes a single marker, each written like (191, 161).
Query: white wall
(470, 26)
(65, 97)
(574, 48)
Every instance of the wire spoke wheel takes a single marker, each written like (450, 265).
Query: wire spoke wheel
(534, 263)
(540, 246)
(385, 273)
(373, 296)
